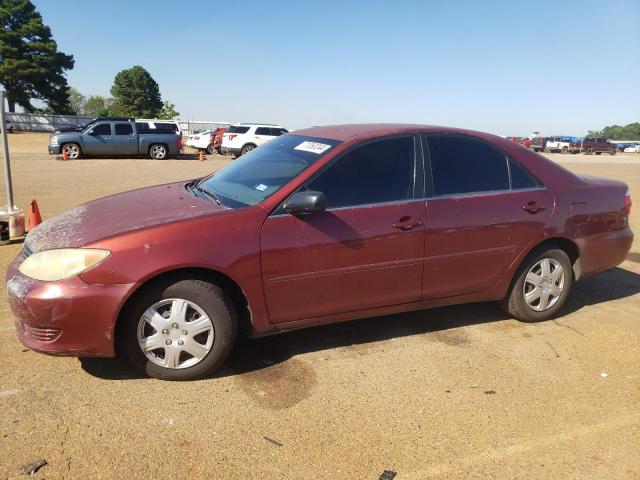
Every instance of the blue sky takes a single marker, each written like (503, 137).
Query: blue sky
(506, 67)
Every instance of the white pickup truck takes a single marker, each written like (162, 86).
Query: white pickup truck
(558, 144)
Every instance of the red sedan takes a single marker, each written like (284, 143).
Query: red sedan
(324, 225)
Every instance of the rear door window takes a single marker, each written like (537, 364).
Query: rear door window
(263, 131)
(461, 165)
(124, 129)
(520, 178)
(378, 172)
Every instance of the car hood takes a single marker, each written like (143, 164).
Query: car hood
(117, 214)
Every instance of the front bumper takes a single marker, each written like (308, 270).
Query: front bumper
(54, 149)
(67, 317)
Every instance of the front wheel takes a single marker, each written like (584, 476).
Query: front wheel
(72, 150)
(158, 152)
(564, 150)
(211, 149)
(541, 287)
(612, 151)
(179, 331)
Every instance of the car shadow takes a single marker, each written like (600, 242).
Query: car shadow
(250, 355)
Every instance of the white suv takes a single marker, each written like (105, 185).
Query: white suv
(241, 138)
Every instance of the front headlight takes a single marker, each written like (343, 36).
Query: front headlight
(51, 265)
(53, 140)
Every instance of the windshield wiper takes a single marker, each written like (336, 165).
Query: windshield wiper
(209, 194)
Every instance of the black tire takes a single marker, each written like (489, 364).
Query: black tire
(210, 149)
(158, 151)
(247, 148)
(516, 305)
(598, 153)
(564, 150)
(209, 298)
(587, 151)
(73, 150)
(612, 151)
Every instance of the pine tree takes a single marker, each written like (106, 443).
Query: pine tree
(136, 93)
(31, 67)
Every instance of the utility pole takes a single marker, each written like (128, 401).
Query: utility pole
(5, 151)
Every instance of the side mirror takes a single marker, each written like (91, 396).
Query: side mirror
(305, 202)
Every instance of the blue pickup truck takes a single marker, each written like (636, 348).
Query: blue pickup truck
(107, 138)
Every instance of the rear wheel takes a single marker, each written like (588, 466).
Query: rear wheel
(179, 331)
(541, 287)
(158, 151)
(564, 150)
(73, 150)
(612, 151)
(210, 149)
(247, 148)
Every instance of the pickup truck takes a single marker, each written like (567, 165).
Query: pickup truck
(560, 144)
(110, 138)
(595, 145)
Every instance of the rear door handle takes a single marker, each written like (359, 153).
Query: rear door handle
(532, 207)
(407, 223)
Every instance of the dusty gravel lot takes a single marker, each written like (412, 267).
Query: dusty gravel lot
(458, 392)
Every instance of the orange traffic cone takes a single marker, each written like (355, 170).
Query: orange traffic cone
(65, 156)
(34, 215)
(201, 156)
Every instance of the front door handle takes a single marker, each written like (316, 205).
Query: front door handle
(532, 207)
(407, 223)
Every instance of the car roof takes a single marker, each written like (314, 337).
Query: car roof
(363, 131)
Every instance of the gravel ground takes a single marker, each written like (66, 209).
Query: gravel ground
(457, 392)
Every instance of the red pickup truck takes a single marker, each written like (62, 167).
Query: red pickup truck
(595, 145)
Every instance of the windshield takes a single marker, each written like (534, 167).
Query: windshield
(263, 171)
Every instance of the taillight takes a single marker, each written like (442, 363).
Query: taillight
(179, 143)
(627, 202)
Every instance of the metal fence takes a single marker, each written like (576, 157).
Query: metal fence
(44, 123)
(48, 123)
(192, 127)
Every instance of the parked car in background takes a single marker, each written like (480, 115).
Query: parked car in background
(241, 138)
(595, 145)
(633, 148)
(324, 225)
(559, 144)
(159, 140)
(198, 140)
(538, 144)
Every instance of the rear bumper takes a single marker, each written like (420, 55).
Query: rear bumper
(54, 149)
(604, 250)
(68, 317)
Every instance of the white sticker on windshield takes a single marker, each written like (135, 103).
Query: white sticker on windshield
(261, 187)
(313, 147)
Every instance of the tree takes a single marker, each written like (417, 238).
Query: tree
(136, 93)
(168, 111)
(31, 67)
(630, 131)
(77, 101)
(97, 106)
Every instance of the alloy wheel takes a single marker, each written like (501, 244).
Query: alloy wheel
(72, 150)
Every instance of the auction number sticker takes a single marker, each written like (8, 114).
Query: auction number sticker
(313, 147)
